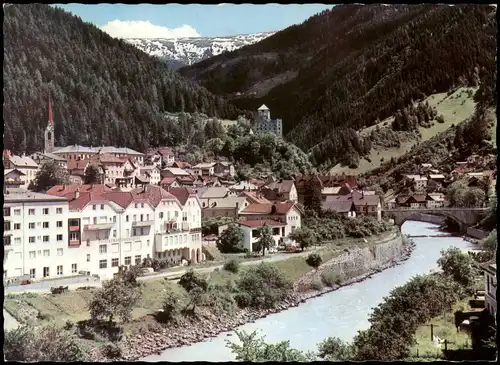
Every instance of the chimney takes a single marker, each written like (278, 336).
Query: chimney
(77, 193)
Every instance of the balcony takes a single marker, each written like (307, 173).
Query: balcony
(195, 230)
(74, 243)
(14, 182)
(74, 228)
(161, 243)
(98, 226)
(185, 226)
(142, 223)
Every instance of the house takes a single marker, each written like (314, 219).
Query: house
(13, 178)
(243, 186)
(77, 152)
(420, 182)
(40, 158)
(490, 281)
(207, 193)
(174, 172)
(258, 183)
(392, 204)
(365, 204)
(119, 170)
(435, 200)
(170, 182)
(77, 167)
(229, 206)
(213, 180)
(319, 182)
(180, 165)
(437, 177)
(26, 165)
(282, 190)
(224, 169)
(416, 201)
(251, 233)
(255, 197)
(345, 208)
(287, 213)
(204, 169)
(152, 173)
(162, 156)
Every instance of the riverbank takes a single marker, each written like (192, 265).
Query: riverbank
(370, 260)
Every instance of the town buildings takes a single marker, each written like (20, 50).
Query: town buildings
(96, 228)
(264, 123)
(281, 191)
(24, 164)
(490, 281)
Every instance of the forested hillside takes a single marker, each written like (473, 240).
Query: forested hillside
(343, 69)
(104, 91)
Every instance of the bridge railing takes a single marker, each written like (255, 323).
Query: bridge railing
(399, 209)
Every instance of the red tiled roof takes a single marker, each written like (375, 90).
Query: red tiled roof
(168, 180)
(326, 180)
(182, 194)
(278, 209)
(181, 164)
(154, 194)
(106, 158)
(76, 164)
(258, 183)
(339, 206)
(253, 197)
(63, 190)
(260, 223)
(165, 151)
(357, 198)
(284, 186)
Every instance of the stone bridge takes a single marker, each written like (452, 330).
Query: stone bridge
(464, 217)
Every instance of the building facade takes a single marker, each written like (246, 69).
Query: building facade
(95, 229)
(264, 123)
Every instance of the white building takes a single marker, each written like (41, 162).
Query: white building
(14, 178)
(40, 158)
(77, 152)
(204, 169)
(420, 182)
(152, 173)
(26, 165)
(251, 233)
(35, 235)
(95, 229)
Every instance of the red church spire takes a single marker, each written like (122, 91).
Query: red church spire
(51, 120)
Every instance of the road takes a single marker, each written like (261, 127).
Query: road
(74, 283)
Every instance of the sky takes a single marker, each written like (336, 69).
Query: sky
(191, 20)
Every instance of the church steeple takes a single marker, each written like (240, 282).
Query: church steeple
(49, 132)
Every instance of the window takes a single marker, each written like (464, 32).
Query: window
(128, 233)
(31, 211)
(88, 257)
(59, 237)
(45, 238)
(138, 259)
(32, 273)
(59, 224)
(32, 254)
(142, 205)
(147, 217)
(31, 225)
(58, 210)
(126, 218)
(103, 249)
(134, 218)
(161, 215)
(142, 217)
(17, 240)
(114, 263)
(45, 211)
(46, 272)
(46, 253)
(103, 264)
(31, 239)
(45, 224)
(128, 260)
(73, 268)
(94, 207)
(59, 252)
(59, 270)
(136, 205)
(102, 206)
(114, 219)
(17, 226)
(6, 212)
(17, 211)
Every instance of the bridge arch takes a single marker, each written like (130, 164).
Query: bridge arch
(420, 217)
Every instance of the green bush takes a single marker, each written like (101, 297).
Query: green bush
(317, 285)
(332, 277)
(232, 266)
(190, 280)
(220, 299)
(314, 260)
(262, 286)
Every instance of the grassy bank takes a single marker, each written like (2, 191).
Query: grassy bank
(444, 328)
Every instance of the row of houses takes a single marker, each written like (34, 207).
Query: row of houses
(95, 229)
(419, 201)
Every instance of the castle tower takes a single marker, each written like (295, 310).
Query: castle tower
(49, 132)
(264, 112)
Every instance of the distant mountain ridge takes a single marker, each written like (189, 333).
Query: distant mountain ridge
(187, 51)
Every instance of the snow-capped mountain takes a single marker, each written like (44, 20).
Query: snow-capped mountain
(186, 51)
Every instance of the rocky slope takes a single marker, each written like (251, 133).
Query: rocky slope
(187, 51)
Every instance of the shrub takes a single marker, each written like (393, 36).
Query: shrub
(113, 351)
(314, 260)
(331, 277)
(68, 325)
(317, 285)
(220, 299)
(191, 280)
(232, 266)
(171, 307)
(262, 286)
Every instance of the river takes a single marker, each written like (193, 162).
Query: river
(341, 313)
